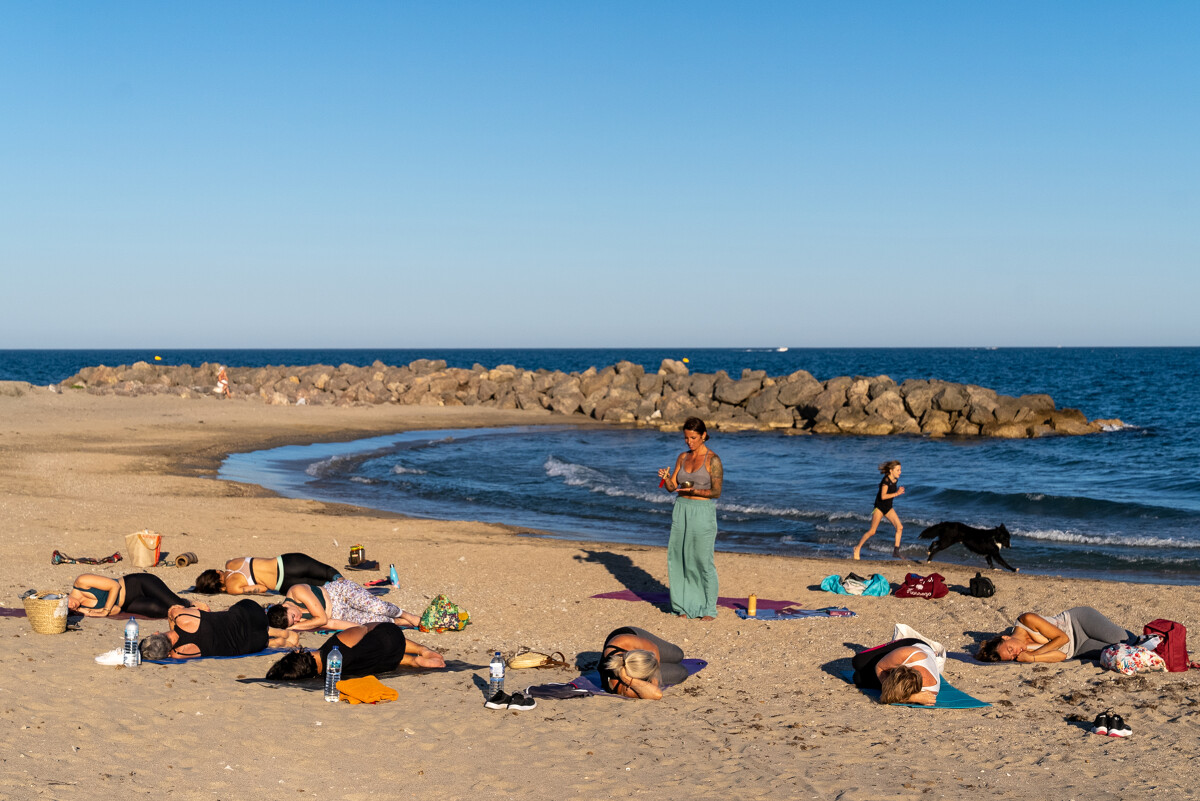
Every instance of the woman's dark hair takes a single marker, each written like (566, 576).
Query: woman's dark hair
(697, 425)
(886, 467)
(277, 616)
(987, 650)
(209, 582)
(294, 666)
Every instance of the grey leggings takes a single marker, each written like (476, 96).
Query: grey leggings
(1094, 632)
(669, 655)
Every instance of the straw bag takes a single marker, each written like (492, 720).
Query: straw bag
(144, 547)
(47, 615)
(534, 659)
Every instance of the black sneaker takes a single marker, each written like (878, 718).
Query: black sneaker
(1117, 727)
(1102, 723)
(521, 702)
(500, 700)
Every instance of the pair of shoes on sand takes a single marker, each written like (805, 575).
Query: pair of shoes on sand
(1110, 724)
(517, 701)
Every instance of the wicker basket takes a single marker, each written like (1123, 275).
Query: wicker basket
(47, 616)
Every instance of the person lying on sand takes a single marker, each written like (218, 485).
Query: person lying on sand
(336, 605)
(905, 671)
(373, 648)
(1080, 633)
(636, 664)
(242, 629)
(255, 575)
(138, 594)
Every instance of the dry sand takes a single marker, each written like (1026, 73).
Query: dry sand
(769, 718)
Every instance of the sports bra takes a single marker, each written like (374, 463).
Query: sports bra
(101, 595)
(246, 571)
(928, 662)
(317, 591)
(701, 478)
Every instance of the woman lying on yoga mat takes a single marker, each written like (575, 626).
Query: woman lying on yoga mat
(138, 594)
(242, 629)
(373, 648)
(255, 575)
(337, 605)
(1080, 633)
(904, 671)
(636, 664)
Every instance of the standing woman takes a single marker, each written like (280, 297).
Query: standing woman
(888, 491)
(696, 480)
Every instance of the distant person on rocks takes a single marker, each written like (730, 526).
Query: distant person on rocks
(255, 575)
(337, 605)
(369, 649)
(888, 491)
(691, 568)
(1078, 633)
(222, 383)
(242, 629)
(636, 664)
(137, 593)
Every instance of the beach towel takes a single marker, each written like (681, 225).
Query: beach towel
(202, 658)
(792, 613)
(365, 690)
(589, 684)
(662, 598)
(950, 697)
(876, 586)
(60, 558)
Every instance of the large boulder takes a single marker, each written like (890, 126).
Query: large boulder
(950, 398)
(672, 367)
(736, 392)
(798, 389)
(935, 423)
(889, 406)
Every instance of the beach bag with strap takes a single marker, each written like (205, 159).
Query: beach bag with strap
(1173, 647)
(444, 615)
(1130, 659)
(145, 547)
(914, 586)
(982, 587)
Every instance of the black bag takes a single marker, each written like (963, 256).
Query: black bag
(982, 587)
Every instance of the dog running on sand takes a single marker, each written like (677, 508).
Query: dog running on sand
(986, 541)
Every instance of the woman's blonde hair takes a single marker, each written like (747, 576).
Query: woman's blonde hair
(638, 664)
(899, 685)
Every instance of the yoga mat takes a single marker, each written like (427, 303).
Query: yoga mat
(795, 614)
(589, 684)
(266, 652)
(950, 697)
(662, 597)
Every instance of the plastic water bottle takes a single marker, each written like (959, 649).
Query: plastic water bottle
(394, 576)
(496, 681)
(333, 674)
(131, 655)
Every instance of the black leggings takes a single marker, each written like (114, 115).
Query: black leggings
(864, 663)
(146, 595)
(670, 670)
(300, 568)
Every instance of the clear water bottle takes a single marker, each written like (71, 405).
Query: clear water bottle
(131, 654)
(394, 576)
(333, 674)
(496, 680)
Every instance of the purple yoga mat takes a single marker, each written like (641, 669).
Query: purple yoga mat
(662, 597)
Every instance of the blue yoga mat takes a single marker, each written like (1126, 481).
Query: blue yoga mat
(795, 614)
(950, 697)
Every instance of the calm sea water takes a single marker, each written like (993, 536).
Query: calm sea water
(1124, 504)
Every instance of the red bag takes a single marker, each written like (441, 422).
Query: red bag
(914, 586)
(1173, 648)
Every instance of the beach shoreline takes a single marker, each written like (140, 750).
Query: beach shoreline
(768, 718)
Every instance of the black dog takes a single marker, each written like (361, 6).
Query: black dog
(986, 541)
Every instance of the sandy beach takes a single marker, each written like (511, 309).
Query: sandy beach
(769, 717)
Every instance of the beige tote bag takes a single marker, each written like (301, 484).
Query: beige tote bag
(144, 547)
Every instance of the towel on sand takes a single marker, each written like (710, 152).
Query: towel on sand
(365, 690)
(950, 697)
(199, 658)
(589, 684)
(792, 613)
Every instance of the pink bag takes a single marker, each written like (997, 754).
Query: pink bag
(914, 586)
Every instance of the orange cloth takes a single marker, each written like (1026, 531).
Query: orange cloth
(366, 690)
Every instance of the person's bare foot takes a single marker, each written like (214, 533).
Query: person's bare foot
(431, 660)
(855, 555)
(708, 617)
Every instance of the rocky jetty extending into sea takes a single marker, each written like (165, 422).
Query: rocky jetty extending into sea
(625, 393)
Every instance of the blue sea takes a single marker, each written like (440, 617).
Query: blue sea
(1122, 504)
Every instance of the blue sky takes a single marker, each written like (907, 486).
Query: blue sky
(473, 174)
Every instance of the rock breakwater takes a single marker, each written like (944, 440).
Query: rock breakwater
(625, 393)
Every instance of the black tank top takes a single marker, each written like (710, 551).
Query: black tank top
(242, 629)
